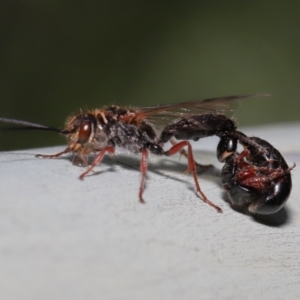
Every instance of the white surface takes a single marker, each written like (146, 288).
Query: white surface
(62, 238)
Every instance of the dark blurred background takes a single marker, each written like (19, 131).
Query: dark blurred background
(59, 56)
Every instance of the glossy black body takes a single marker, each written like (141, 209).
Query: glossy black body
(197, 127)
(270, 169)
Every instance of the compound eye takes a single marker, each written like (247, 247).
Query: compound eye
(85, 131)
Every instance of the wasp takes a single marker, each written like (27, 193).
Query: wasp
(101, 131)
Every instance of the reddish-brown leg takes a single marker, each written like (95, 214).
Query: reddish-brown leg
(97, 160)
(67, 150)
(183, 153)
(143, 168)
(192, 168)
(259, 177)
(254, 176)
(279, 172)
(243, 154)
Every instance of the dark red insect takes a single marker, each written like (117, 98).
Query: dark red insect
(258, 177)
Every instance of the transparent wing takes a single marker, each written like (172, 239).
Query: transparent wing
(166, 114)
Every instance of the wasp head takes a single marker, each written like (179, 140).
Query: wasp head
(85, 134)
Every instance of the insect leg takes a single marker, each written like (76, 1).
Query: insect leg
(184, 153)
(67, 150)
(191, 168)
(143, 168)
(97, 160)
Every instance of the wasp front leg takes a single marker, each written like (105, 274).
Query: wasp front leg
(67, 150)
(97, 160)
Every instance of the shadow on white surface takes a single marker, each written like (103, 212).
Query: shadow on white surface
(62, 238)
